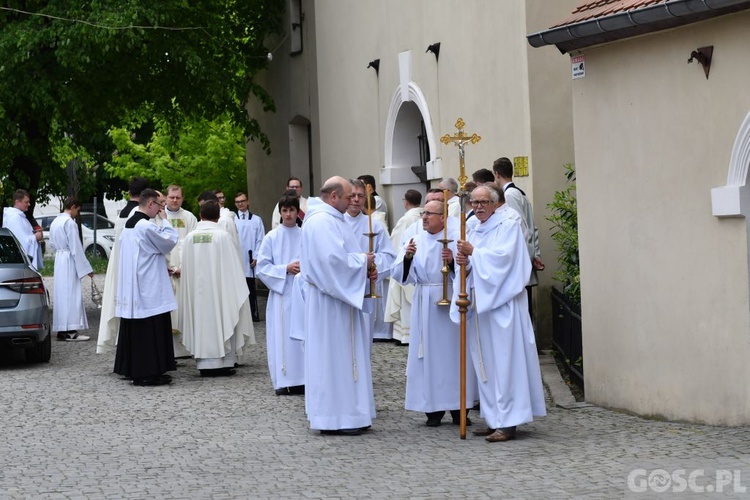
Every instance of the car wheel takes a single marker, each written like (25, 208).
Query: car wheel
(41, 352)
(96, 251)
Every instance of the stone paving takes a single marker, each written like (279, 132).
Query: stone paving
(72, 429)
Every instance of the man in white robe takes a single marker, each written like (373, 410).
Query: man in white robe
(183, 222)
(433, 365)
(251, 232)
(432, 194)
(278, 264)
(295, 184)
(500, 335)
(109, 323)
(454, 202)
(214, 310)
(144, 347)
(338, 379)
(71, 265)
(517, 200)
(359, 226)
(398, 301)
(14, 218)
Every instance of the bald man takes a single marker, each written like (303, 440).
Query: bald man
(338, 378)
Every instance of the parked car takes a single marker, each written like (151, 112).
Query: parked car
(105, 234)
(24, 303)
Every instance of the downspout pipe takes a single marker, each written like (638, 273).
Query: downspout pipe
(629, 19)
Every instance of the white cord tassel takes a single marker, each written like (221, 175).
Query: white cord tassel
(479, 344)
(283, 339)
(354, 353)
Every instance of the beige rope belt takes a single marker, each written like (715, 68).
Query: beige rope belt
(421, 311)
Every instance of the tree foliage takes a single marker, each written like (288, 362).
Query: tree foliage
(198, 155)
(70, 71)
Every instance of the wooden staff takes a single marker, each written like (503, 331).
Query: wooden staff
(459, 139)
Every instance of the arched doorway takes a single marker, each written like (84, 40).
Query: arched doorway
(409, 148)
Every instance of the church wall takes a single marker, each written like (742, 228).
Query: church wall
(290, 80)
(480, 76)
(664, 283)
(551, 138)
(519, 108)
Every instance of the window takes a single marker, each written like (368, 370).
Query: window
(295, 26)
(10, 253)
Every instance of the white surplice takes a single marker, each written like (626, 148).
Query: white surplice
(518, 201)
(250, 232)
(214, 309)
(286, 357)
(143, 277)
(109, 323)
(433, 366)
(19, 225)
(384, 255)
(184, 222)
(454, 207)
(71, 266)
(338, 378)
(398, 302)
(500, 335)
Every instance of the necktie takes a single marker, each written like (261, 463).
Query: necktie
(243, 216)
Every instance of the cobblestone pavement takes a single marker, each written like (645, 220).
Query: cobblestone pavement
(73, 429)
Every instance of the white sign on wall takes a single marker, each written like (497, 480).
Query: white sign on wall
(578, 66)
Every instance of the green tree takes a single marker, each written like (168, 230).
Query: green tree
(70, 71)
(198, 155)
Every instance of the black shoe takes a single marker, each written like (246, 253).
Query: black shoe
(62, 336)
(456, 415)
(152, 381)
(434, 419)
(298, 390)
(218, 372)
(342, 432)
(284, 391)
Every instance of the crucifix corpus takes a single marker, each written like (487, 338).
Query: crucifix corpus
(460, 139)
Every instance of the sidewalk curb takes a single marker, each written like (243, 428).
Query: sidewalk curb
(553, 381)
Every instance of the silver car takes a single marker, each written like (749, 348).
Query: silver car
(105, 234)
(24, 303)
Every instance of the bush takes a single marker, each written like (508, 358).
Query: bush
(564, 219)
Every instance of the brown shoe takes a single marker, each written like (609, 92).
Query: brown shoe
(499, 436)
(483, 432)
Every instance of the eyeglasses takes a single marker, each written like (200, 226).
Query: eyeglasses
(294, 187)
(477, 203)
(240, 201)
(221, 197)
(427, 213)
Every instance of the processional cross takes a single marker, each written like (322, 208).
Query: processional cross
(460, 139)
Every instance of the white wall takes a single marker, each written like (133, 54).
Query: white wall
(664, 283)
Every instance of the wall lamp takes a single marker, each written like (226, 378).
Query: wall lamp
(703, 55)
(435, 49)
(375, 63)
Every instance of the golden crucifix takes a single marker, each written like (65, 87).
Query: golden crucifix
(459, 139)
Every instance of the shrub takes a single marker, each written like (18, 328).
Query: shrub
(564, 219)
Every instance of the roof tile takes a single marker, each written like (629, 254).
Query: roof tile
(600, 8)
